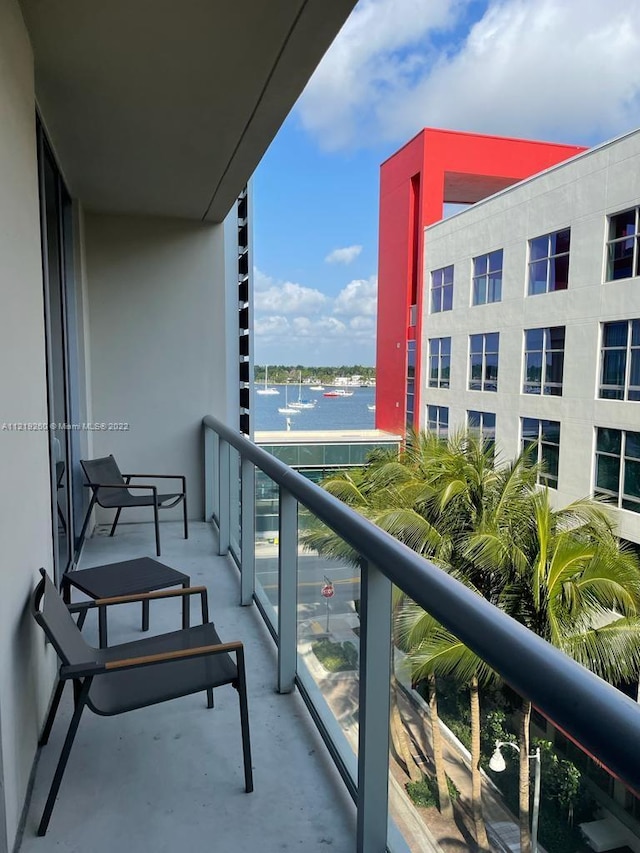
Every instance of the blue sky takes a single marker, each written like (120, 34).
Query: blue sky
(561, 70)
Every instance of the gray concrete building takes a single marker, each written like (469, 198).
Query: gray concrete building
(542, 338)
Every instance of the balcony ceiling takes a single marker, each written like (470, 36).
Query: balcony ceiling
(166, 107)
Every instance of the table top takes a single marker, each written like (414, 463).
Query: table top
(128, 577)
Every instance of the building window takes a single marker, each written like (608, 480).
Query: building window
(411, 383)
(545, 435)
(620, 361)
(549, 262)
(487, 278)
(623, 245)
(484, 423)
(618, 466)
(543, 361)
(439, 362)
(483, 361)
(438, 420)
(442, 290)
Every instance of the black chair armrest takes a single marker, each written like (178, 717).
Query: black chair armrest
(160, 477)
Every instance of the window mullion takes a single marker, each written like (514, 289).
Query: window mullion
(623, 453)
(627, 366)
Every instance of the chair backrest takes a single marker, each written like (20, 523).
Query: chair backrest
(51, 613)
(104, 470)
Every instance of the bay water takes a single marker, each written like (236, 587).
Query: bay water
(329, 413)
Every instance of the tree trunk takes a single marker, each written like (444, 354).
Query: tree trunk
(446, 809)
(399, 736)
(523, 788)
(476, 779)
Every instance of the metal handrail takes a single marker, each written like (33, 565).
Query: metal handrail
(596, 716)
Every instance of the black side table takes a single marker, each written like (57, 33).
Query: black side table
(129, 577)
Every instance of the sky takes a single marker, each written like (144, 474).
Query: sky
(558, 70)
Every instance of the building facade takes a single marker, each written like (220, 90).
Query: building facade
(540, 339)
(436, 167)
(521, 320)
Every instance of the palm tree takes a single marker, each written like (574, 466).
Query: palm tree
(468, 495)
(387, 491)
(568, 580)
(434, 650)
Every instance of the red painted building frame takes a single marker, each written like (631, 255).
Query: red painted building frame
(434, 168)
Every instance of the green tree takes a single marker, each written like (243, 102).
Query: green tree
(568, 579)
(386, 491)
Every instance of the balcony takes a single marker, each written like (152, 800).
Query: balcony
(171, 775)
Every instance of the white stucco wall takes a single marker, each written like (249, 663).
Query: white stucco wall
(580, 194)
(161, 352)
(26, 671)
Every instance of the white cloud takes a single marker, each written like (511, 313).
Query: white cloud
(327, 331)
(288, 298)
(270, 326)
(375, 55)
(556, 69)
(359, 297)
(343, 256)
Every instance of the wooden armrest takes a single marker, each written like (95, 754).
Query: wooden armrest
(180, 654)
(143, 596)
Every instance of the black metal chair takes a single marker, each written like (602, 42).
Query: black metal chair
(112, 489)
(133, 675)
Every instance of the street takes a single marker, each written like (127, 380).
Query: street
(312, 571)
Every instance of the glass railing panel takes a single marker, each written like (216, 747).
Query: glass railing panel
(329, 627)
(234, 503)
(573, 790)
(212, 475)
(267, 545)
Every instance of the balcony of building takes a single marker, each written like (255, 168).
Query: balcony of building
(172, 774)
(170, 777)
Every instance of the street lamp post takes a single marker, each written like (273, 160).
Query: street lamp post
(498, 764)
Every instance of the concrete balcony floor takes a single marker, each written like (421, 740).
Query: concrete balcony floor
(169, 777)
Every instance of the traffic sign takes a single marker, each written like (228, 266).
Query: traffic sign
(328, 591)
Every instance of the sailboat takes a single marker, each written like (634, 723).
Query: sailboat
(302, 404)
(286, 409)
(266, 389)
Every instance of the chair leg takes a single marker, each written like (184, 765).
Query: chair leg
(85, 524)
(145, 615)
(102, 627)
(244, 723)
(64, 757)
(53, 710)
(186, 605)
(156, 522)
(184, 515)
(210, 697)
(115, 521)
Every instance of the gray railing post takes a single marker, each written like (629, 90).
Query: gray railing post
(287, 590)
(248, 532)
(224, 482)
(374, 690)
(210, 472)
